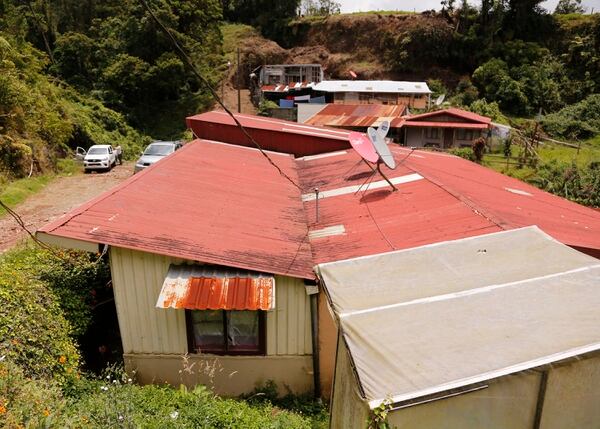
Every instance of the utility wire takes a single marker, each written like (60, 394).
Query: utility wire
(190, 64)
(36, 240)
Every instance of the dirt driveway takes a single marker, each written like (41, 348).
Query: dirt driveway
(56, 199)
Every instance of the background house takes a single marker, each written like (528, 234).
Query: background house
(442, 128)
(412, 94)
(437, 350)
(280, 81)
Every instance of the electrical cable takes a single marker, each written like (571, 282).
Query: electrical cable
(36, 240)
(214, 94)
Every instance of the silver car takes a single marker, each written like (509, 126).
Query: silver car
(154, 153)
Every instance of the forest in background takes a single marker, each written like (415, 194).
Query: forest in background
(86, 72)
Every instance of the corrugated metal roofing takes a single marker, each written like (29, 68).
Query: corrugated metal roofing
(211, 202)
(272, 134)
(441, 124)
(292, 86)
(356, 115)
(453, 111)
(224, 204)
(380, 220)
(197, 287)
(390, 86)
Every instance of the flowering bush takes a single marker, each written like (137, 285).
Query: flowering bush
(115, 401)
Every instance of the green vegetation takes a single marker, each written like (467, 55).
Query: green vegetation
(115, 53)
(34, 332)
(577, 121)
(41, 119)
(46, 299)
(115, 401)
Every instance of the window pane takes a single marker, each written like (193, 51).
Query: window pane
(243, 335)
(208, 331)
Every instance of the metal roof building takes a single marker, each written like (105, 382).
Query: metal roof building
(224, 206)
(492, 333)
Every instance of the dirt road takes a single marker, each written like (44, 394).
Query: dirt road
(56, 199)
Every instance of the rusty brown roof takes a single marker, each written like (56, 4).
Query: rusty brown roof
(356, 115)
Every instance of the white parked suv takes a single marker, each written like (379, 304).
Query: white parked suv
(99, 157)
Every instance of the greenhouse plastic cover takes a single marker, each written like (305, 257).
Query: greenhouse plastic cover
(440, 317)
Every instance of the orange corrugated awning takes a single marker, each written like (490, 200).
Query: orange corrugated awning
(195, 287)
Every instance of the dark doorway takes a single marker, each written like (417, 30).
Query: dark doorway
(448, 137)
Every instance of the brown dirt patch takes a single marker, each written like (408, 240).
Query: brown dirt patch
(57, 198)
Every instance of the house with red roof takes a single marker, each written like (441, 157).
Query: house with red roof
(442, 128)
(212, 250)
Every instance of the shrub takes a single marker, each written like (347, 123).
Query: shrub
(34, 332)
(118, 402)
(577, 121)
(491, 110)
(463, 152)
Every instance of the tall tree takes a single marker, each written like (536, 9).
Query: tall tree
(565, 7)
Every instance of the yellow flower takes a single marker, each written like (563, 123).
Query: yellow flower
(2, 409)
(62, 359)
(46, 412)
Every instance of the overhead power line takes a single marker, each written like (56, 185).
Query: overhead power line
(214, 94)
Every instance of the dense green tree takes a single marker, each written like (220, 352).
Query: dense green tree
(565, 7)
(115, 51)
(270, 16)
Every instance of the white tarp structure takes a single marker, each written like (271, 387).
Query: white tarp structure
(445, 317)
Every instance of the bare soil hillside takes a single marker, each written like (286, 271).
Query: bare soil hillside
(341, 43)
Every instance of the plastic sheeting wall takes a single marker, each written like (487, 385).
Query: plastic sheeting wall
(573, 396)
(509, 402)
(137, 281)
(347, 408)
(571, 401)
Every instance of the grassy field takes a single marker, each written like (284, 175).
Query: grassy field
(548, 152)
(232, 34)
(15, 192)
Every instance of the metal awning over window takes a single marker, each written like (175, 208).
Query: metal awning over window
(196, 287)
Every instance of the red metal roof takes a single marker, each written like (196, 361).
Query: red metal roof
(272, 134)
(224, 204)
(210, 202)
(442, 124)
(456, 198)
(509, 202)
(211, 293)
(356, 115)
(380, 220)
(459, 113)
(202, 287)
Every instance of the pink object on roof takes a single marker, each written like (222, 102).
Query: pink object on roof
(361, 144)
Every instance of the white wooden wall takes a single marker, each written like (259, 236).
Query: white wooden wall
(137, 281)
